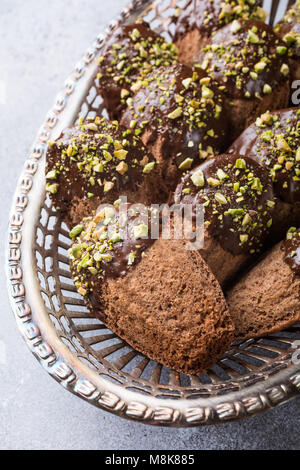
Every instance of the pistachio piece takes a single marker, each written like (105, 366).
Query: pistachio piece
(186, 82)
(82, 291)
(76, 231)
(187, 163)
(244, 238)
(148, 167)
(281, 50)
(52, 188)
(175, 114)
(252, 37)
(220, 198)
(122, 168)
(285, 69)
(121, 154)
(108, 186)
(92, 127)
(131, 258)
(267, 89)
(198, 178)
(52, 174)
(240, 163)
(140, 231)
(235, 26)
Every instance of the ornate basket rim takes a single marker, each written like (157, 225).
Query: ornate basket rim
(39, 332)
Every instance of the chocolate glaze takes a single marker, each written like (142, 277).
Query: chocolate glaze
(289, 30)
(230, 219)
(89, 251)
(90, 164)
(182, 136)
(232, 58)
(261, 142)
(130, 53)
(207, 16)
(291, 248)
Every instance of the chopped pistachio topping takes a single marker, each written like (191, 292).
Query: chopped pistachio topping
(76, 231)
(148, 167)
(129, 60)
(52, 188)
(187, 82)
(140, 231)
(278, 147)
(198, 178)
(236, 193)
(235, 26)
(290, 233)
(281, 50)
(220, 198)
(187, 163)
(175, 103)
(96, 160)
(218, 14)
(285, 69)
(108, 186)
(106, 244)
(122, 168)
(288, 28)
(246, 54)
(131, 258)
(52, 175)
(175, 114)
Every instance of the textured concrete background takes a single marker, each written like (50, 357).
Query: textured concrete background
(40, 41)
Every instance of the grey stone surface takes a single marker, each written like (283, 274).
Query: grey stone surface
(40, 41)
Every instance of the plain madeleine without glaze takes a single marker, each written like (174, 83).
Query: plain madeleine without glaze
(267, 298)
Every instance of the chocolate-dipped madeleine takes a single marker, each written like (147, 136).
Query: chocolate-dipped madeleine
(289, 31)
(179, 114)
(274, 141)
(237, 196)
(267, 298)
(158, 296)
(251, 64)
(200, 18)
(97, 161)
(130, 53)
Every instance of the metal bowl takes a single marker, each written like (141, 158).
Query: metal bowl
(78, 350)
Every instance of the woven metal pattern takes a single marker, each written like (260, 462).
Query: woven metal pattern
(79, 351)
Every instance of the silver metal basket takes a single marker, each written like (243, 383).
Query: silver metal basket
(78, 350)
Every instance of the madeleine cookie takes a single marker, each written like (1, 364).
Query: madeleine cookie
(289, 31)
(237, 197)
(97, 161)
(130, 54)
(274, 141)
(267, 298)
(158, 296)
(250, 63)
(200, 18)
(179, 114)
